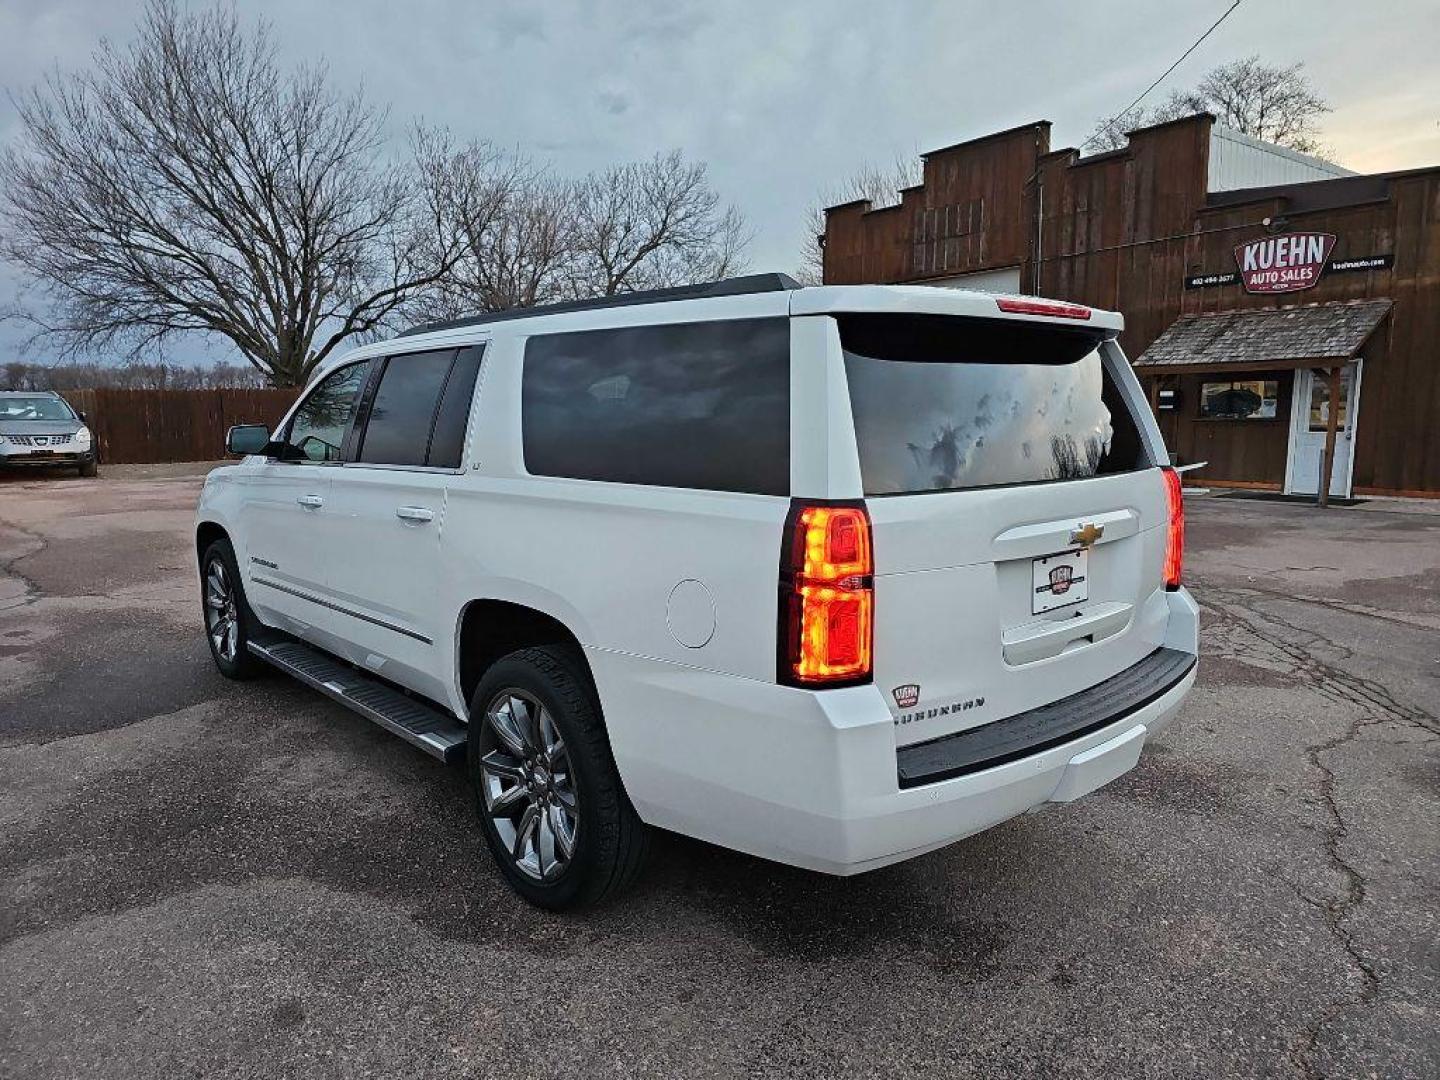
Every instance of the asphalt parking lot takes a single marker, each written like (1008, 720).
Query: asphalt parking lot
(200, 878)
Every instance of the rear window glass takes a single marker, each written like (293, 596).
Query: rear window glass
(690, 405)
(943, 404)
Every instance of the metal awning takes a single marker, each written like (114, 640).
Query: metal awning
(1265, 339)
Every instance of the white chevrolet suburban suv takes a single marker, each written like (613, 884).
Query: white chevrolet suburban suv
(834, 576)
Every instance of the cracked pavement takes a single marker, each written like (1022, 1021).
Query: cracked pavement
(222, 880)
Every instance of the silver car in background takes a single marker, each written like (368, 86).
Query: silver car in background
(39, 428)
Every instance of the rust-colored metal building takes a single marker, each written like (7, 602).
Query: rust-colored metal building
(1247, 307)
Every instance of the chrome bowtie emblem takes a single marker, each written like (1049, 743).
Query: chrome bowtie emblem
(1086, 534)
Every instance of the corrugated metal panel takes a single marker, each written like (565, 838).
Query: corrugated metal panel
(1238, 161)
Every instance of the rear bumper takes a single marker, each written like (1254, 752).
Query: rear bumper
(813, 779)
(927, 817)
(1057, 724)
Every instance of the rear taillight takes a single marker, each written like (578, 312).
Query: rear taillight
(1175, 535)
(1056, 309)
(827, 596)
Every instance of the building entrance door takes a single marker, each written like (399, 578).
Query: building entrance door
(1309, 416)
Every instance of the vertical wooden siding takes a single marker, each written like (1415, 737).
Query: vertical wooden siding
(972, 213)
(134, 426)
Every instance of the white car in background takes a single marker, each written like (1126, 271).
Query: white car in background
(835, 576)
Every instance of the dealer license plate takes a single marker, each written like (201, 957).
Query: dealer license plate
(1060, 580)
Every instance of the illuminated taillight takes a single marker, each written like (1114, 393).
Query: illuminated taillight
(1175, 534)
(1018, 306)
(827, 596)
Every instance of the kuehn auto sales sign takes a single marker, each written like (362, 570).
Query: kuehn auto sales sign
(1287, 263)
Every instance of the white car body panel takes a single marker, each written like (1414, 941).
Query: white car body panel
(279, 539)
(394, 579)
(707, 742)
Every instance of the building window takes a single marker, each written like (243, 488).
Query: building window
(1249, 399)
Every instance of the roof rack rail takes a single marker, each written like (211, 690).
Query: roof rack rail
(736, 286)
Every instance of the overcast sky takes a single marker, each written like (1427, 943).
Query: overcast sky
(780, 98)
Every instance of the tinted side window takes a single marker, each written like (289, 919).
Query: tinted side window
(693, 405)
(448, 440)
(403, 412)
(318, 427)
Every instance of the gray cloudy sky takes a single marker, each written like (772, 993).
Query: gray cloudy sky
(780, 97)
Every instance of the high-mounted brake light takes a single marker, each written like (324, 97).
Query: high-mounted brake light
(1175, 535)
(1055, 308)
(827, 596)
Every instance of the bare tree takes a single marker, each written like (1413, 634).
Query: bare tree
(1265, 101)
(514, 222)
(650, 224)
(187, 183)
(521, 260)
(530, 237)
(1110, 132)
(1276, 104)
(17, 375)
(879, 184)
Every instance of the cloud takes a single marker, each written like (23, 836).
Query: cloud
(616, 104)
(511, 25)
(782, 99)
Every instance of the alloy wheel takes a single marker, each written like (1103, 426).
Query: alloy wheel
(528, 784)
(222, 617)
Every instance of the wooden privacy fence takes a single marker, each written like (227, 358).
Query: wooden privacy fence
(134, 426)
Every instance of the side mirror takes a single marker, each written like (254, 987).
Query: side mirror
(247, 439)
(83, 418)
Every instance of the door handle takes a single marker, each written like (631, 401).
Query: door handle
(417, 514)
(310, 502)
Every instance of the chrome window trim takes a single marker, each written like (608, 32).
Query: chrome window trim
(395, 468)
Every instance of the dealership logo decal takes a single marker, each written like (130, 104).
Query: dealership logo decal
(907, 696)
(1281, 264)
(1060, 581)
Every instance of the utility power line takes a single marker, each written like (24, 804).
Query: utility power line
(1144, 93)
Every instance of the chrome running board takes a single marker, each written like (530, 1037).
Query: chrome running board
(437, 733)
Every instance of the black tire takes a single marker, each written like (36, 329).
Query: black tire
(243, 664)
(90, 467)
(610, 840)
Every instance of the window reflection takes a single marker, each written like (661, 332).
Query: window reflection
(694, 405)
(942, 426)
(318, 427)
